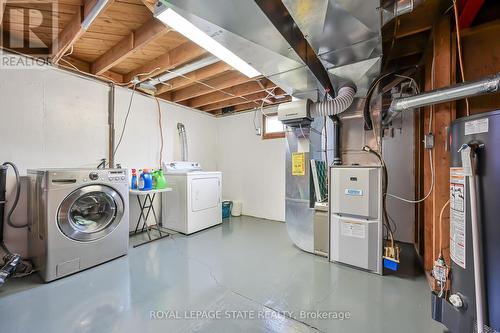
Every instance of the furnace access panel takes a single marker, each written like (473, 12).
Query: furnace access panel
(355, 216)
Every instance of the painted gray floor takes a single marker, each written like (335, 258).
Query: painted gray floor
(247, 265)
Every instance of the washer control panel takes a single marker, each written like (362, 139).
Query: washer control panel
(117, 175)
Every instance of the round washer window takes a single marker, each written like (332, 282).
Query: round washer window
(90, 213)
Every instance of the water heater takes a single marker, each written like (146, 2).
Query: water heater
(458, 309)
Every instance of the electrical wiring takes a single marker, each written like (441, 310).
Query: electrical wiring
(91, 75)
(459, 49)
(441, 227)
(161, 130)
(262, 108)
(385, 182)
(125, 122)
(431, 162)
(209, 86)
(263, 101)
(430, 189)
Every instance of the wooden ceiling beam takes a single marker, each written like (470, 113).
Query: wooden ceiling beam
(237, 90)
(223, 81)
(407, 46)
(128, 45)
(191, 78)
(84, 66)
(235, 101)
(73, 30)
(252, 105)
(181, 55)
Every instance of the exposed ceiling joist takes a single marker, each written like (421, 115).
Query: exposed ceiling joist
(191, 78)
(129, 44)
(236, 101)
(238, 90)
(223, 81)
(84, 66)
(180, 55)
(407, 46)
(73, 30)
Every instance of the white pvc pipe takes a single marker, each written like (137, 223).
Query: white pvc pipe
(476, 252)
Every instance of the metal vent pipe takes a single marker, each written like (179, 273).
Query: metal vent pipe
(183, 139)
(462, 90)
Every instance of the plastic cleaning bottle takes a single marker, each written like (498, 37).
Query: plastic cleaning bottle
(159, 181)
(133, 184)
(145, 180)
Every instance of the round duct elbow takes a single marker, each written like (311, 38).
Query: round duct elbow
(335, 106)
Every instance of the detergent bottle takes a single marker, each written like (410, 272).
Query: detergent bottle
(159, 181)
(133, 184)
(145, 180)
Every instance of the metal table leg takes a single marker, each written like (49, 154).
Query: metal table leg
(145, 208)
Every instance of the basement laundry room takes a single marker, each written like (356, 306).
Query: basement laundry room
(249, 166)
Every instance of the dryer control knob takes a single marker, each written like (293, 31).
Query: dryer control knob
(94, 176)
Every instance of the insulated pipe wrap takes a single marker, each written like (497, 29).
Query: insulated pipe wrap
(335, 106)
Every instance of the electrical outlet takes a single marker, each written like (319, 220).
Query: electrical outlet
(258, 131)
(429, 141)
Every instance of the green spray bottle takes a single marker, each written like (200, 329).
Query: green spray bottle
(159, 181)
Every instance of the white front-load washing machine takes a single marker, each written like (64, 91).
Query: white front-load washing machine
(195, 201)
(78, 218)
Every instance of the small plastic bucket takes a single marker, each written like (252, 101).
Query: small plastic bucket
(226, 208)
(236, 209)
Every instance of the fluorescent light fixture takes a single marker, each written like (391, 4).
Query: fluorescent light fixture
(186, 28)
(191, 67)
(94, 12)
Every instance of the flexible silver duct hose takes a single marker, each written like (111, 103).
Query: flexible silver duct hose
(337, 105)
(183, 140)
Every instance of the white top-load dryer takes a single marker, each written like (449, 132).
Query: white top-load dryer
(195, 201)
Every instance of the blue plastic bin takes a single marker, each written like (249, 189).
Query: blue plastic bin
(226, 208)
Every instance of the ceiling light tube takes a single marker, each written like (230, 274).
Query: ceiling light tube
(191, 67)
(93, 13)
(190, 31)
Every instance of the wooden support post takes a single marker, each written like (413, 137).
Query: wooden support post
(442, 116)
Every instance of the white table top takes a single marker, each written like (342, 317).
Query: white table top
(139, 192)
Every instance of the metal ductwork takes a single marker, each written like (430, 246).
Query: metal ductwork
(337, 156)
(395, 8)
(342, 36)
(183, 140)
(487, 85)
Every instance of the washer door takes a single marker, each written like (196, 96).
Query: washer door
(90, 213)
